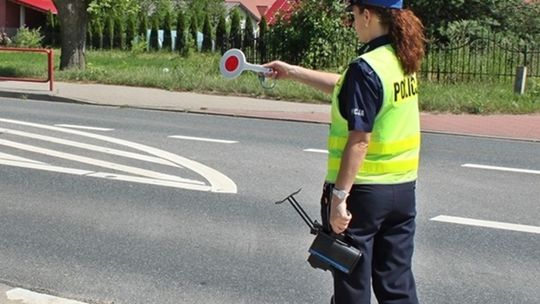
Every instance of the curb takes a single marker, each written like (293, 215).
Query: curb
(40, 97)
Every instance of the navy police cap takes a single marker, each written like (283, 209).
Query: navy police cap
(381, 3)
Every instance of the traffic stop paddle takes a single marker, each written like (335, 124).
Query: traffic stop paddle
(233, 63)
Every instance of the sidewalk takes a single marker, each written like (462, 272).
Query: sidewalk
(521, 127)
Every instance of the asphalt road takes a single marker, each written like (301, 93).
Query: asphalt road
(128, 214)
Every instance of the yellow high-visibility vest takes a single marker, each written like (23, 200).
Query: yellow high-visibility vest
(393, 151)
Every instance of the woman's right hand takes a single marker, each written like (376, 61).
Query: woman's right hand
(280, 69)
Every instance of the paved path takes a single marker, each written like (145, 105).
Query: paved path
(522, 127)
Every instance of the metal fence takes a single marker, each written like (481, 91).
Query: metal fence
(479, 58)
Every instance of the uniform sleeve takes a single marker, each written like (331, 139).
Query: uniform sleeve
(361, 96)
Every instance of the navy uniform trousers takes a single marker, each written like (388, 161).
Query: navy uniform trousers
(382, 227)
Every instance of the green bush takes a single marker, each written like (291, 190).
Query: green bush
(108, 33)
(143, 26)
(131, 31)
(249, 35)
(167, 35)
(139, 45)
(28, 38)
(119, 33)
(314, 35)
(207, 35)
(154, 44)
(193, 29)
(261, 42)
(221, 34)
(181, 38)
(236, 31)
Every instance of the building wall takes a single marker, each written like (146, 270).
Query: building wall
(2, 14)
(12, 14)
(35, 19)
(10, 17)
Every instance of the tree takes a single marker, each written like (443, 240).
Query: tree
(109, 32)
(143, 26)
(261, 41)
(51, 30)
(181, 38)
(207, 35)
(73, 17)
(214, 9)
(193, 30)
(236, 31)
(313, 35)
(511, 16)
(249, 35)
(167, 35)
(131, 31)
(154, 39)
(97, 26)
(119, 33)
(221, 34)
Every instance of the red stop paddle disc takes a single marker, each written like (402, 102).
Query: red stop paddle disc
(231, 63)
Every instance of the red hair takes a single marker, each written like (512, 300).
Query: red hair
(407, 33)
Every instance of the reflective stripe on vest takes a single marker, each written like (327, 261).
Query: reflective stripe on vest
(393, 150)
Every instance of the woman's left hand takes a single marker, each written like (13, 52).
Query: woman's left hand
(340, 217)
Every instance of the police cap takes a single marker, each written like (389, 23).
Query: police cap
(380, 3)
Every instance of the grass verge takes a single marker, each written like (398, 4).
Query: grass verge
(200, 73)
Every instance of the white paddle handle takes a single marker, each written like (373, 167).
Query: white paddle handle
(257, 68)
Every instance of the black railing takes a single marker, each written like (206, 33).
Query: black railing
(478, 58)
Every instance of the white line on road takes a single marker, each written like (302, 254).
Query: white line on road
(90, 147)
(5, 156)
(222, 141)
(316, 151)
(30, 297)
(96, 162)
(218, 181)
(501, 168)
(487, 224)
(107, 175)
(83, 127)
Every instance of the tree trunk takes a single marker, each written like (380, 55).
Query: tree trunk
(73, 18)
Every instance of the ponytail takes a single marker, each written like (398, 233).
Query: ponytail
(407, 34)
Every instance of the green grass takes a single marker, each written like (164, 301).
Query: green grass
(200, 73)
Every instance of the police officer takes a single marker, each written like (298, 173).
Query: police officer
(373, 146)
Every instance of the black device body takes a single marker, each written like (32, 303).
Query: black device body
(328, 250)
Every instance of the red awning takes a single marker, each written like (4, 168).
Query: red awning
(38, 5)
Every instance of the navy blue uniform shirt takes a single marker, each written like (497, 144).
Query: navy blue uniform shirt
(361, 95)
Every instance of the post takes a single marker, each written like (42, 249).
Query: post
(50, 55)
(521, 79)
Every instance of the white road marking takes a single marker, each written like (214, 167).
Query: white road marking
(222, 141)
(95, 162)
(76, 144)
(30, 297)
(83, 127)
(487, 224)
(5, 156)
(501, 168)
(316, 151)
(107, 175)
(218, 181)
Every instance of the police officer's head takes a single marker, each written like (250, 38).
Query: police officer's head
(402, 25)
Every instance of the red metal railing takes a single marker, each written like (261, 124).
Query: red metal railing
(50, 63)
